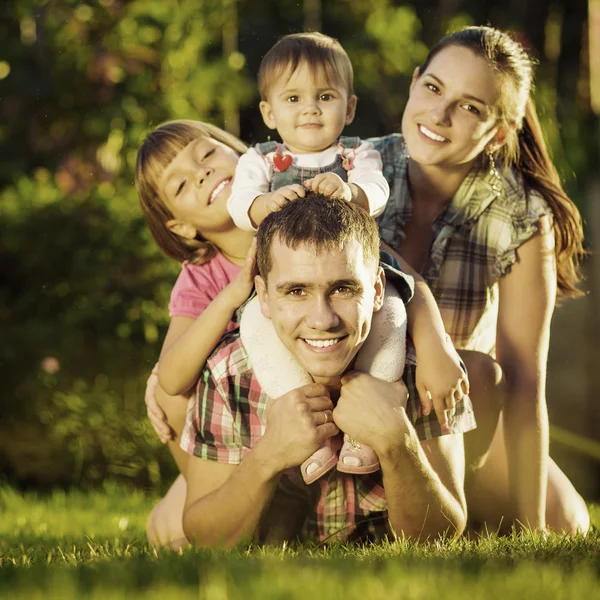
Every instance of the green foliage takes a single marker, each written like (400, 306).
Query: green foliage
(83, 306)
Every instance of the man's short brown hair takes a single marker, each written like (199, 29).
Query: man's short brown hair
(316, 50)
(319, 222)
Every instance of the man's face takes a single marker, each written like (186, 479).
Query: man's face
(321, 304)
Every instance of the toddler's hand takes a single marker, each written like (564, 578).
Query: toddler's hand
(155, 413)
(330, 184)
(241, 285)
(441, 382)
(265, 204)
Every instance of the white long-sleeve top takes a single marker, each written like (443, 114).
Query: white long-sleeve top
(254, 169)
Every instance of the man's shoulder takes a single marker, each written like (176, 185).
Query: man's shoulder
(229, 358)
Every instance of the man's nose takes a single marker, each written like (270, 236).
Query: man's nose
(321, 315)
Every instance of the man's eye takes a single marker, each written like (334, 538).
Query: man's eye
(296, 292)
(343, 290)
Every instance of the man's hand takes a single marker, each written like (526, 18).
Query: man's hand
(441, 382)
(265, 204)
(297, 424)
(330, 184)
(371, 411)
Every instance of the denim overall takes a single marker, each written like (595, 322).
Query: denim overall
(294, 174)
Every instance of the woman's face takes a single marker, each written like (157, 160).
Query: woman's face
(451, 114)
(196, 185)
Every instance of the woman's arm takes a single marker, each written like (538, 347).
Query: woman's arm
(189, 342)
(527, 295)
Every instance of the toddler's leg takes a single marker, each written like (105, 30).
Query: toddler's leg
(384, 351)
(382, 355)
(276, 369)
(278, 372)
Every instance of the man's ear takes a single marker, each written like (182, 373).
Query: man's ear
(351, 109)
(267, 114)
(184, 230)
(263, 296)
(379, 290)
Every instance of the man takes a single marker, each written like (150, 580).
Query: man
(320, 283)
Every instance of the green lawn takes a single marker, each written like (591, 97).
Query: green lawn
(79, 545)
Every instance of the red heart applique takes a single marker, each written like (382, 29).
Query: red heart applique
(281, 162)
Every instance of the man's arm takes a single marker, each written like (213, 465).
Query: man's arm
(225, 502)
(423, 481)
(424, 485)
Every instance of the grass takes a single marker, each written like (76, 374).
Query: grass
(75, 545)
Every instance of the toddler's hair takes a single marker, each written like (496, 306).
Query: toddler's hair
(316, 50)
(156, 152)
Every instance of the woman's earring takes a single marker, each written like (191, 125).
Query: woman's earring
(493, 170)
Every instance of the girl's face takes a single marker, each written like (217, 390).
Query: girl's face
(196, 185)
(308, 112)
(451, 114)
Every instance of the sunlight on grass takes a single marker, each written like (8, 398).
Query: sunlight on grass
(80, 545)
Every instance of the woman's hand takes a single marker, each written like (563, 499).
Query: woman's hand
(157, 416)
(441, 381)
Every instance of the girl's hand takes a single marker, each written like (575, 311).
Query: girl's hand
(241, 286)
(330, 184)
(441, 382)
(155, 413)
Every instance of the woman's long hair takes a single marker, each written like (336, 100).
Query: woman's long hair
(526, 148)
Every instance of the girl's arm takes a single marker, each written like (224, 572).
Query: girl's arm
(441, 381)
(189, 342)
(527, 295)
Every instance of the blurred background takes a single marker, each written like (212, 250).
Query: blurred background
(84, 290)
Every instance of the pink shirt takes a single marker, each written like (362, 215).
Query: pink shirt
(197, 286)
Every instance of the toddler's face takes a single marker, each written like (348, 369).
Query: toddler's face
(308, 112)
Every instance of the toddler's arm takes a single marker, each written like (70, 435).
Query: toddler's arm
(189, 342)
(370, 189)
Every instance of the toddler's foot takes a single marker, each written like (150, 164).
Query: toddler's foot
(321, 461)
(356, 458)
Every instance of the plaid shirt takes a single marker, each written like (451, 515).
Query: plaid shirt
(227, 417)
(475, 240)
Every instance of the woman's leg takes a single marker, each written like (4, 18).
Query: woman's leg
(486, 483)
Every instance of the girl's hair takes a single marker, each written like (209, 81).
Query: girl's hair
(156, 152)
(525, 148)
(317, 50)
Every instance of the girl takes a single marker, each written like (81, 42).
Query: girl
(183, 177)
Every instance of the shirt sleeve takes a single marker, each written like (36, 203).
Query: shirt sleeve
(210, 431)
(367, 174)
(252, 177)
(524, 221)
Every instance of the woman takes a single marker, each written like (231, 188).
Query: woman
(477, 208)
